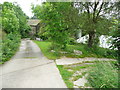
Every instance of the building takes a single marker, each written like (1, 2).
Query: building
(35, 25)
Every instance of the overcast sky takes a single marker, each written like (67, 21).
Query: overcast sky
(25, 5)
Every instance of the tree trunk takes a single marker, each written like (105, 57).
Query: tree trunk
(91, 39)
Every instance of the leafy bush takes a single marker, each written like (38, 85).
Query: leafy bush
(9, 46)
(14, 24)
(104, 75)
(14, 19)
(72, 41)
(116, 35)
(56, 26)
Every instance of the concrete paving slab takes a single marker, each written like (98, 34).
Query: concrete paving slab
(70, 61)
(80, 82)
(30, 69)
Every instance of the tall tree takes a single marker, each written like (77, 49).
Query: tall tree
(94, 18)
(14, 19)
(23, 27)
(57, 18)
(10, 23)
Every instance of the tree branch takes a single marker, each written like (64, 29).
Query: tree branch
(88, 10)
(100, 10)
(94, 9)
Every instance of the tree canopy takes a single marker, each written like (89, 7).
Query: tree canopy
(14, 19)
(63, 20)
(94, 19)
(58, 20)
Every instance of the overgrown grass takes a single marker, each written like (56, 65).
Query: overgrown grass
(66, 76)
(97, 52)
(77, 68)
(1, 63)
(103, 75)
(45, 48)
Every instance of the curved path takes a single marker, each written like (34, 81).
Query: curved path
(30, 69)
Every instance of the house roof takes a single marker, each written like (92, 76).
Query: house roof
(33, 22)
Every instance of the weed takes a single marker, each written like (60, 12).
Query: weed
(103, 75)
(65, 75)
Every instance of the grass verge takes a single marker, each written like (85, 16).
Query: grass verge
(104, 75)
(65, 75)
(45, 47)
(1, 63)
(100, 74)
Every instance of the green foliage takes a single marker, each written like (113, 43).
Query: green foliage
(72, 41)
(103, 75)
(9, 46)
(45, 48)
(2, 35)
(93, 19)
(108, 67)
(101, 26)
(89, 52)
(98, 52)
(10, 22)
(43, 34)
(55, 20)
(23, 27)
(116, 34)
(13, 19)
(65, 75)
(14, 26)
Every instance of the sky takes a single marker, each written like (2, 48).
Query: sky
(25, 5)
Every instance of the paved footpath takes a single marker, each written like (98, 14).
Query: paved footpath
(30, 69)
(70, 61)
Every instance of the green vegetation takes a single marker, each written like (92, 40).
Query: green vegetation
(103, 75)
(13, 28)
(116, 35)
(66, 75)
(87, 52)
(14, 19)
(93, 22)
(45, 48)
(10, 46)
(90, 52)
(57, 27)
(62, 22)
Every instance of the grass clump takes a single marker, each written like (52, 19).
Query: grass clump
(66, 75)
(45, 48)
(97, 52)
(78, 68)
(104, 75)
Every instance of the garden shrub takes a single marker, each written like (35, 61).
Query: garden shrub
(9, 46)
(14, 25)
